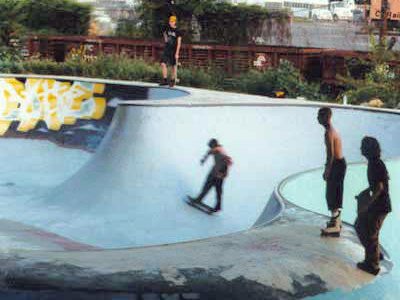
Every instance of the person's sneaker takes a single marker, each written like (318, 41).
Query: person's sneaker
(164, 82)
(381, 256)
(368, 268)
(172, 82)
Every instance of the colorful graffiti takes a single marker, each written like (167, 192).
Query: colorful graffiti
(55, 102)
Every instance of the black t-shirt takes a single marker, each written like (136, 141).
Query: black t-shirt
(377, 172)
(172, 35)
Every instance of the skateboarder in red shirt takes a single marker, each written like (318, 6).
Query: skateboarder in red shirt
(217, 174)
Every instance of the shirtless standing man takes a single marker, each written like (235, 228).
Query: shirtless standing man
(334, 173)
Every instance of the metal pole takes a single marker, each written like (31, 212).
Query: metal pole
(384, 22)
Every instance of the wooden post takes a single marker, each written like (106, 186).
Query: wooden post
(153, 53)
(230, 62)
(383, 23)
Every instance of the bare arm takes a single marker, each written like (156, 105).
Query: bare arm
(330, 150)
(165, 37)
(203, 160)
(178, 47)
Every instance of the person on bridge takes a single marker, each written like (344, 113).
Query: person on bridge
(173, 40)
(374, 207)
(217, 174)
(334, 173)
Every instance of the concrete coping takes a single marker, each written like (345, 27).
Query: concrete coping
(204, 98)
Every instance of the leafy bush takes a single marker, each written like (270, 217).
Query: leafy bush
(286, 77)
(255, 82)
(198, 78)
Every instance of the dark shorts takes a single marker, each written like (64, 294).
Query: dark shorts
(334, 184)
(168, 58)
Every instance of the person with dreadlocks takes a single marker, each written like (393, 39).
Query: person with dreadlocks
(373, 206)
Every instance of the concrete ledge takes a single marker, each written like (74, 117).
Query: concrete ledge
(285, 260)
(15, 235)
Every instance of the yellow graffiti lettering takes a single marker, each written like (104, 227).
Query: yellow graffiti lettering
(54, 102)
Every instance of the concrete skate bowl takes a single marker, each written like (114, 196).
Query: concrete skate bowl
(131, 191)
(50, 126)
(127, 190)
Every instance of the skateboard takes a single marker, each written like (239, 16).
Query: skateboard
(363, 201)
(332, 234)
(199, 205)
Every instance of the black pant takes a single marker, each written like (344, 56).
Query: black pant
(211, 181)
(368, 226)
(334, 185)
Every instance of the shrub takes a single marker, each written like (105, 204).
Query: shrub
(286, 77)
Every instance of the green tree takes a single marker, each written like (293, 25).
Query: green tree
(376, 77)
(129, 28)
(56, 16)
(11, 16)
(219, 21)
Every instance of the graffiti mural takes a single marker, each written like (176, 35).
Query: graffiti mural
(55, 102)
(70, 113)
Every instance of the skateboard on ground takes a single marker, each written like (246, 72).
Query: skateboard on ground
(199, 205)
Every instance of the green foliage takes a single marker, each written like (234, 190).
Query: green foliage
(358, 68)
(235, 24)
(284, 78)
(198, 78)
(17, 17)
(61, 16)
(11, 16)
(129, 29)
(10, 54)
(255, 82)
(111, 67)
(376, 77)
(219, 21)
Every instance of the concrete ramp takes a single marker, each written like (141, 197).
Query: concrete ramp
(131, 193)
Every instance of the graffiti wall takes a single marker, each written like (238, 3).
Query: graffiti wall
(73, 114)
(54, 102)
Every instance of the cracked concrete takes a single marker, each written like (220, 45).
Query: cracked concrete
(285, 260)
